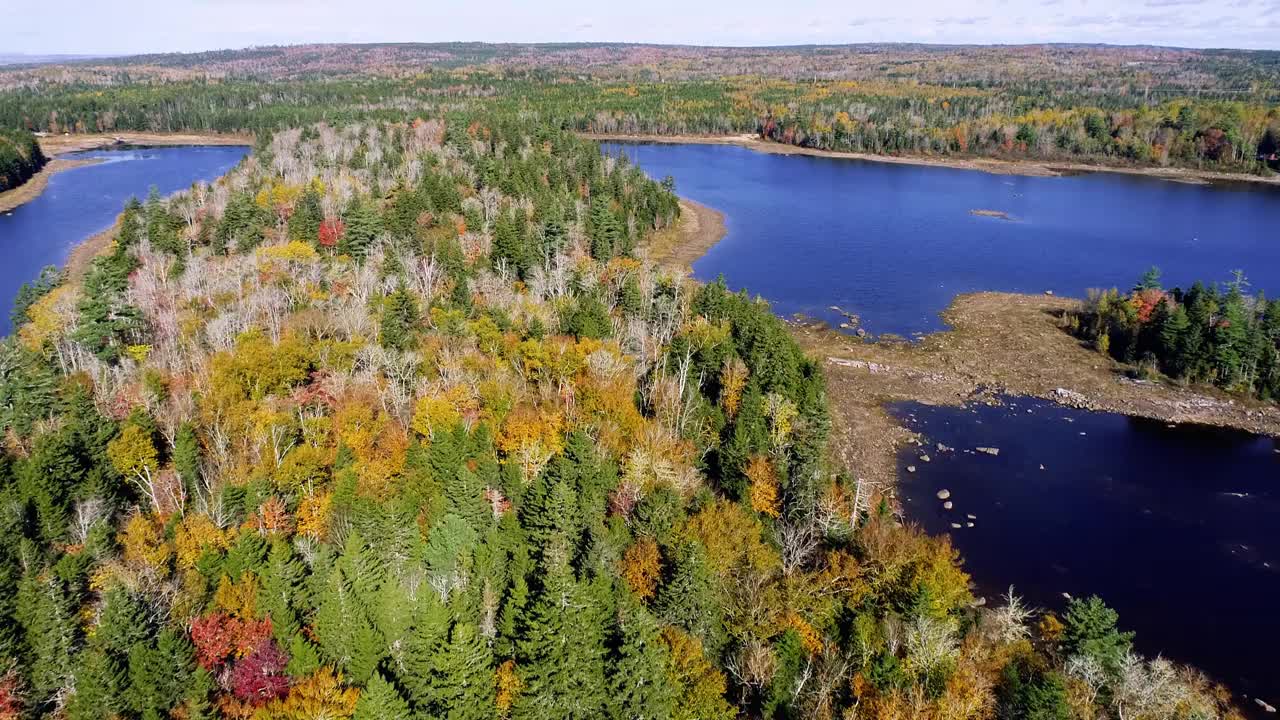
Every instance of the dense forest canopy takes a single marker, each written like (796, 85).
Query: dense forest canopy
(396, 421)
(20, 157)
(1138, 105)
(1208, 334)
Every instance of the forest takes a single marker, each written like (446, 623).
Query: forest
(396, 420)
(1217, 110)
(20, 157)
(1210, 334)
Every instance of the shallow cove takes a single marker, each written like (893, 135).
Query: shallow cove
(82, 201)
(895, 243)
(1173, 527)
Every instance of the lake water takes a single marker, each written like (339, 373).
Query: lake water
(895, 243)
(86, 200)
(1174, 528)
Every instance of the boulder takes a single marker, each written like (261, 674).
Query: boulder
(1264, 705)
(989, 450)
(948, 505)
(911, 468)
(956, 526)
(943, 494)
(924, 458)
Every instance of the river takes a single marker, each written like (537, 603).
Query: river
(1173, 527)
(895, 243)
(85, 200)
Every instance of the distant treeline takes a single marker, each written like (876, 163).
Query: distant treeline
(883, 117)
(20, 158)
(1208, 334)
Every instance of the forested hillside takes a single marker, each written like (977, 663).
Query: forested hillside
(1135, 106)
(395, 421)
(20, 158)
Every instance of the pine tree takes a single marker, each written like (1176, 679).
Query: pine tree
(304, 223)
(381, 701)
(362, 226)
(159, 673)
(47, 618)
(605, 231)
(1174, 329)
(637, 669)
(400, 318)
(99, 685)
(344, 629)
(690, 600)
(281, 592)
(463, 686)
(561, 654)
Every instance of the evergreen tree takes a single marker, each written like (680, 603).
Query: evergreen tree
(605, 231)
(463, 687)
(639, 689)
(304, 223)
(159, 674)
(282, 592)
(46, 616)
(1091, 631)
(400, 318)
(561, 655)
(362, 226)
(381, 701)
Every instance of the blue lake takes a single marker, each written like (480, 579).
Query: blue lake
(86, 200)
(1175, 528)
(895, 243)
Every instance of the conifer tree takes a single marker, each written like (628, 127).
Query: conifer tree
(361, 229)
(47, 618)
(400, 318)
(381, 701)
(638, 687)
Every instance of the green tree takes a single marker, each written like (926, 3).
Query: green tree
(400, 318)
(381, 701)
(1091, 631)
(638, 685)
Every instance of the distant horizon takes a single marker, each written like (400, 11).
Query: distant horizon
(161, 27)
(54, 58)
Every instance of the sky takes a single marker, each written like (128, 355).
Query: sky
(140, 26)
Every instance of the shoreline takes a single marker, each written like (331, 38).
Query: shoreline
(699, 229)
(997, 344)
(54, 146)
(58, 144)
(994, 166)
(36, 184)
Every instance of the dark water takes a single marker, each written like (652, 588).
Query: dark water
(1177, 529)
(85, 200)
(895, 243)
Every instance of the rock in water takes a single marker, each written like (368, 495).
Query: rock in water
(1263, 704)
(911, 468)
(993, 451)
(943, 494)
(948, 505)
(924, 458)
(956, 526)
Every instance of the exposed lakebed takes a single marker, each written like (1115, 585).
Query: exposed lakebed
(1174, 527)
(894, 243)
(85, 200)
